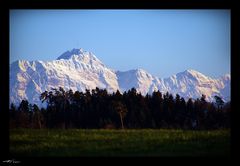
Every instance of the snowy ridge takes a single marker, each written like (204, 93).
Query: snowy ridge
(192, 84)
(139, 79)
(79, 70)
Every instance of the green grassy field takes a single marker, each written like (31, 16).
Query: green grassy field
(146, 142)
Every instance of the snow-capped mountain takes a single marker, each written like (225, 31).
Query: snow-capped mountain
(143, 81)
(76, 70)
(79, 70)
(192, 84)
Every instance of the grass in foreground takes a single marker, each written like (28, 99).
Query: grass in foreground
(144, 142)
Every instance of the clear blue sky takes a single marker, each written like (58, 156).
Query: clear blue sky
(163, 42)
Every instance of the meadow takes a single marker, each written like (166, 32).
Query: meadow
(141, 142)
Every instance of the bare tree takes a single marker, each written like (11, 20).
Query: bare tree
(121, 110)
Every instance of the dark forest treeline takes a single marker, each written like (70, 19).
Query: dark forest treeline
(98, 109)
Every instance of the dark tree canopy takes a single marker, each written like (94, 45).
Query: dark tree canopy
(99, 109)
(219, 101)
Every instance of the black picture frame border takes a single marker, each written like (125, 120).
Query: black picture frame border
(117, 4)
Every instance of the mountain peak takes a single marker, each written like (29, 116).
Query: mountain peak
(138, 70)
(191, 71)
(79, 55)
(68, 54)
(194, 73)
(141, 70)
